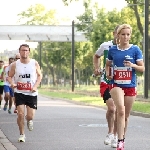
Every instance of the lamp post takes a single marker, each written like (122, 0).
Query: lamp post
(146, 48)
(40, 55)
(73, 53)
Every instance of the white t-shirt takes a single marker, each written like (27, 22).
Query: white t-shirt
(100, 52)
(25, 77)
(104, 46)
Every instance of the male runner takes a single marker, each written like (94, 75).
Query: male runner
(1, 82)
(27, 77)
(9, 94)
(111, 138)
(17, 56)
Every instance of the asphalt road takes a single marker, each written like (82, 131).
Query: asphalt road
(63, 125)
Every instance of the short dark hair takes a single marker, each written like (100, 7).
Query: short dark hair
(25, 45)
(11, 58)
(1, 61)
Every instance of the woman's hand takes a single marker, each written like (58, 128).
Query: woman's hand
(128, 63)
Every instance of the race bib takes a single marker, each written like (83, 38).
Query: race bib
(122, 75)
(24, 86)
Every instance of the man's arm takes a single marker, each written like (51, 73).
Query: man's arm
(96, 59)
(96, 63)
(11, 74)
(39, 77)
(2, 76)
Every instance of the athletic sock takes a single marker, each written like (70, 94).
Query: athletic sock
(120, 140)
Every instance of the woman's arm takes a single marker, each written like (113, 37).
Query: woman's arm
(107, 69)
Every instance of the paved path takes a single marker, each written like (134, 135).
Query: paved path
(63, 125)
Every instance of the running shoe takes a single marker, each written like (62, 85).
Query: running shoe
(30, 125)
(15, 111)
(5, 107)
(22, 138)
(9, 111)
(108, 139)
(114, 142)
(120, 145)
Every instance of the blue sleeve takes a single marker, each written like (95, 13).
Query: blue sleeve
(138, 54)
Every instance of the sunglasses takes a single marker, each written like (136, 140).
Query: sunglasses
(17, 58)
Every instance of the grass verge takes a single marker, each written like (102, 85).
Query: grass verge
(138, 106)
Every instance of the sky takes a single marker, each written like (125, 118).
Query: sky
(10, 8)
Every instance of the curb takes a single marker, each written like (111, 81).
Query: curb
(5, 144)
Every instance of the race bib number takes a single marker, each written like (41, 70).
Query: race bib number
(122, 75)
(24, 86)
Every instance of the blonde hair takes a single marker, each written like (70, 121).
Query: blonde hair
(123, 26)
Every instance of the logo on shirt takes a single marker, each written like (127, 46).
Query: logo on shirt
(25, 76)
(127, 57)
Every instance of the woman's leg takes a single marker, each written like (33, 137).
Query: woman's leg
(117, 95)
(128, 102)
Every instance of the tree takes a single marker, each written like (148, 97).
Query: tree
(38, 15)
(66, 2)
(138, 8)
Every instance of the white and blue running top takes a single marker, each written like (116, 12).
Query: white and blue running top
(124, 76)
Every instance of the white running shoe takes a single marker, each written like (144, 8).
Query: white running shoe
(30, 125)
(108, 139)
(22, 138)
(114, 142)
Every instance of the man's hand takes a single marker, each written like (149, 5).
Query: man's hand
(34, 89)
(97, 72)
(13, 86)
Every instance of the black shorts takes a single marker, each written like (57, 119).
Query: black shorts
(27, 100)
(1, 89)
(106, 95)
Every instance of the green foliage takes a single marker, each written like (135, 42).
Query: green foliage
(67, 2)
(101, 28)
(38, 15)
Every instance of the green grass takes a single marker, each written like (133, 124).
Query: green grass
(138, 106)
(141, 107)
(76, 97)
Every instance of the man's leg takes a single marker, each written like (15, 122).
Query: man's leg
(20, 122)
(110, 114)
(6, 96)
(20, 104)
(20, 119)
(1, 98)
(29, 117)
(1, 95)
(10, 99)
(31, 105)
